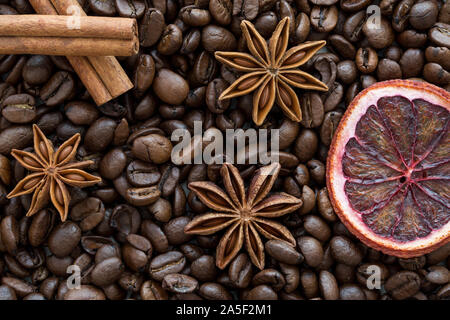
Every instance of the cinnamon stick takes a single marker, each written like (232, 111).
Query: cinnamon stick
(67, 26)
(63, 46)
(106, 70)
(86, 72)
(109, 69)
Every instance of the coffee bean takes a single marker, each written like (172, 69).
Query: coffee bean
(366, 60)
(151, 290)
(64, 238)
(306, 145)
(85, 292)
(328, 286)
(144, 74)
(214, 291)
(423, 15)
(130, 9)
(240, 271)
(151, 27)
(388, 69)
(283, 252)
(179, 283)
(171, 40)
(166, 263)
(344, 251)
(179, 87)
(215, 38)
(312, 110)
(9, 230)
(59, 88)
(403, 285)
(311, 249)
(434, 73)
(351, 292)
(353, 26)
(15, 137)
(107, 271)
(324, 18)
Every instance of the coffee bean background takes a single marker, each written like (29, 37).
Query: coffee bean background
(126, 234)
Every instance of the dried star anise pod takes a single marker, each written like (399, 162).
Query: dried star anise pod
(243, 213)
(271, 71)
(51, 172)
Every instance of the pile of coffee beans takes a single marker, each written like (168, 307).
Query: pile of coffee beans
(124, 238)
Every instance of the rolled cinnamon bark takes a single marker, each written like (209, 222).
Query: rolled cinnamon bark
(109, 69)
(86, 72)
(64, 46)
(109, 75)
(68, 26)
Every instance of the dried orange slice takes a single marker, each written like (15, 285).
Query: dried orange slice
(388, 168)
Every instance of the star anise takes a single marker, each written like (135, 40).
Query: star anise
(51, 172)
(271, 71)
(243, 213)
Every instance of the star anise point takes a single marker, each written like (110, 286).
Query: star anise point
(243, 213)
(270, 71)
(51, 171)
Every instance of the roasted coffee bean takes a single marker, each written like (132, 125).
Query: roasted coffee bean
(19, 108)
(203, 268)
(85, 292)
(130, 9)
(283, 252)
(151, 290)
(344, 251)
(306, 145)
(423, 15)
(37, 70)
(403, 285)
(388, 69)
(174, 230)
(221, 11)
(179, 87)
(156, 236)
(81, 112)
(329, 126)
(353, 26)
(366, 60)
(270, 277)
(311, 249)
(379, 35)
(166, 263)
(324, 18)
(214, 291)
(64, 238)
(171, 40)
(179, 283)
(439, 55)
(351, 292)
(151, 27)
(107, 271)
(312, 110)
(144, 74)
(412, 39)
(213, 91)
(59, 88)
(434, 73)
(215, 38)
(328, 286)
(342, 46)
(240, 271)
(347, 71)
(437, 275)
(9, 230)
